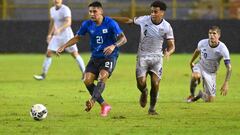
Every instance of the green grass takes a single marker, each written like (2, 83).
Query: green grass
(64, 95)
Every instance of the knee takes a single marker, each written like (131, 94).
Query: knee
(87, 81)
(141, 83)
(49, 53)
(103, 76)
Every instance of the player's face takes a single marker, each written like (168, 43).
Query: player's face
(156, 14)
(213, 36)
(57, 2)
(95, 13)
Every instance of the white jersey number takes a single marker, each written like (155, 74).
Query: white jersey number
(108, 64)
(99, 39)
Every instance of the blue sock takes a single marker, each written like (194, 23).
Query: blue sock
(98, 91)
(91, 88)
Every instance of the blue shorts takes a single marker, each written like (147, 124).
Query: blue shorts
(95, 65)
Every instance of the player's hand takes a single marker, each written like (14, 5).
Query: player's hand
(166, 54)
(48, 39)
(108, 50)
(61, 49)
(224, 89)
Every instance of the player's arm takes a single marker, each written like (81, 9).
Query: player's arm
(170, 49)
(121, 40)
(224, 87)
(71, 42)
(50, 30)
(195, 55)
(123, 19)
(67, 23)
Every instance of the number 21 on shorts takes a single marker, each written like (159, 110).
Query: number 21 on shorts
(108, 65)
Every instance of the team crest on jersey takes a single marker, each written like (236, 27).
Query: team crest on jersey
(91, 31)
(104, 31)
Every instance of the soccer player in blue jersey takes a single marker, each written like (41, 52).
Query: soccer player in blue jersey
(105, 39)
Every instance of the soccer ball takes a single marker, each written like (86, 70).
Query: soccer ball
(38, 112)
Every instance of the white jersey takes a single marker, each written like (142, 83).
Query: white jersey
(59, 18)
(152, 35)
(210, 57)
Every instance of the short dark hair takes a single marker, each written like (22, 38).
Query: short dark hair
(159, 4)
(215, 28)
(95, 4)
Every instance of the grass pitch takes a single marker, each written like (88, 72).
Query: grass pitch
(64, 95)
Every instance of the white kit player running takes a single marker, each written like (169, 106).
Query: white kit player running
(211, 51)
(58, 34)
(154, 30)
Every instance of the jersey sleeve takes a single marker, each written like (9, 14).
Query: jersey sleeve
(67, 12)
(115, 27)
(139, 20)
(199, 46)
(225, 53)
(83, 29)
(51, 12)
(169, 34)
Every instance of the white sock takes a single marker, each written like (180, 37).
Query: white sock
(46, 64)
(80, 63)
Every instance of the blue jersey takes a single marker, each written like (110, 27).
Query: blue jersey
(101, 36)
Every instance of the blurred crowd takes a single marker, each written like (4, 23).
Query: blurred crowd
(185, 9)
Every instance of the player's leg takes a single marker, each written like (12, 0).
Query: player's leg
(156, 75)
(142, 87)
(53, 45)
(106, 67)
(193, 84)
(209, 85)
(141, 77)
(89, 77)
(155, 81)
(74, 52)
(195, 80)
(46, 64)
(89, 83)
(102, 79)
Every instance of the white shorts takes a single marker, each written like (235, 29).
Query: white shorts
(149, 63)
(209, 80)
(58, 41)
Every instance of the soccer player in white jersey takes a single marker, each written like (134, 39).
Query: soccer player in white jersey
(59, 33)
(154, 30)
(211, 51)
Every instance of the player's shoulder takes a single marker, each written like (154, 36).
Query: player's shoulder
(222, 45)
(109, 21)
(65, 6)
(165, 23)
(52, 8)
(204, 41)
